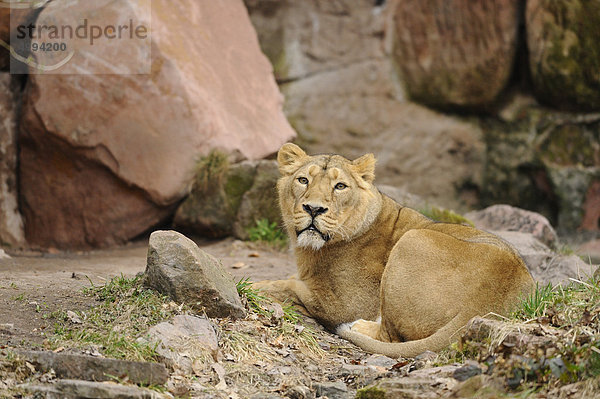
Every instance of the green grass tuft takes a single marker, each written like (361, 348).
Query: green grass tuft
(535, 304)
(267, 232)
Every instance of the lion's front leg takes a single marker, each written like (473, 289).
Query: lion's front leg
(290, 291)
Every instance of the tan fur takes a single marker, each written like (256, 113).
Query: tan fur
(373, 259)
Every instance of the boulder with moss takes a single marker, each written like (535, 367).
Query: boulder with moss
(544, 161)
(260, 201)
(456, 54)
(228, 199)
(564, 52)
(211, 208)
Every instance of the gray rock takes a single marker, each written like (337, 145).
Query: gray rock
(425, 359)
(411, 387)
(509, 218)
(436, 372)
(299, 392)
(544, 265)
(178, 268)
(91, 368)
(333, 390)
(75, 389)
(185, 340)
(380, 361)
(467, 371)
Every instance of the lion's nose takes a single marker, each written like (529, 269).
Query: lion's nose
(314, 211)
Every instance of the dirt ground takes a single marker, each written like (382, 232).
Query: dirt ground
(32, 283)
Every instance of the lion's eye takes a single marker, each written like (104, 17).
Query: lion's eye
(340, 186)
(303, 180)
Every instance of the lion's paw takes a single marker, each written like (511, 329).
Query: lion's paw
(365, 327)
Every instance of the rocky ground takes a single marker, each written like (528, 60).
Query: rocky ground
(52, 304)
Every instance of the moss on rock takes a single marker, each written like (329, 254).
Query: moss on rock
(564, 47)
(212, 205)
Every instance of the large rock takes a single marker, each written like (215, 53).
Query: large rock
(178, 268)
(11, 224)
(141, 135)
(354, 110)
(75, 389)
(456, 53)
(569, 149)
(230, 199)
(545, 265)
(343, 96)
(547, 162)
(70, 366)
(508, 218)
(304, 38)
(564, 52)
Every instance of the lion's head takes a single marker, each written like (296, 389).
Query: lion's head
(326, 198)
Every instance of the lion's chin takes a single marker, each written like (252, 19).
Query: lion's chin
(310, 239)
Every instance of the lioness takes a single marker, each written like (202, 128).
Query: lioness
(381, 275)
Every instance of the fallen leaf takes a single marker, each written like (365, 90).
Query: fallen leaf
(220, 370)
(239, 265)
(254, 255)
(30, 367)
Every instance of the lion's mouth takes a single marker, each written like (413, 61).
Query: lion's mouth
(313, 228)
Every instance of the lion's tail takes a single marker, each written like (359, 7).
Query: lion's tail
(435, 342)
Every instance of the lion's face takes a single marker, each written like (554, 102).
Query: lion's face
(326, 198)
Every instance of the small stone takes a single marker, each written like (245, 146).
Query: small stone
(178, 268)
(184, 341)
(3, 255)
(467, 371)
(356, 370)
(425, 359)
(332, 390)
(299, 392)
(380, 361)
(436, 372)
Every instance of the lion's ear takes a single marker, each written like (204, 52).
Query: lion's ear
(290, 158)
(365, 167)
